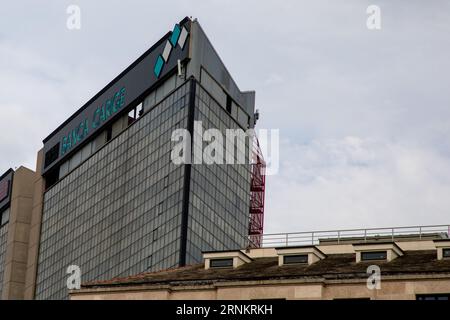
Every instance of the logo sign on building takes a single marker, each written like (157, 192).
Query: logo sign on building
(124, 92)
(178, 37)
(101, 115)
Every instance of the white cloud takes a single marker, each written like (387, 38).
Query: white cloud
(38, 95)
(355, 183)
(364, 114)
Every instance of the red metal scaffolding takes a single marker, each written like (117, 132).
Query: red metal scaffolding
(257, 192)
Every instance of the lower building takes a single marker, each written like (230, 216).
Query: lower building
(409, 268)
(16, 203)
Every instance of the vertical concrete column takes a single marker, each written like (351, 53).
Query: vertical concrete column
(35, 229)
(18, 234)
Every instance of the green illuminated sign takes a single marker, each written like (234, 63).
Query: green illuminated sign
(100, 116)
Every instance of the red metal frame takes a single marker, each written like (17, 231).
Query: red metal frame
(257, 194)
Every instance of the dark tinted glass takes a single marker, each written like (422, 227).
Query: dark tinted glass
(119, 212)
(221, 263)
(442, 297)
(51, 155)
(446, 253)
(303, 258)
(219, 198)
(376, 255)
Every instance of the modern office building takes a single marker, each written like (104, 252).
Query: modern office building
(112, 201)
(16, 202)
(400, 267)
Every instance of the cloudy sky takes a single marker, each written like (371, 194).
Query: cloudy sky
(364, 115)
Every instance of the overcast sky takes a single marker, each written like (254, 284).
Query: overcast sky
(364, 115)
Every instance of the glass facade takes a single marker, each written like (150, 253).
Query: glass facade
(119, 212)
(3, 243)
(124, 209)
(219, 193)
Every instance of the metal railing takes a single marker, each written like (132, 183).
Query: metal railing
(355, 235)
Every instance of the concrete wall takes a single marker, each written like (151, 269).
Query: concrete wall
(18, 234)
(35, 229)
(391, 289)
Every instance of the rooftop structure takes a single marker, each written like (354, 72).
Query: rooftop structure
(415, 267)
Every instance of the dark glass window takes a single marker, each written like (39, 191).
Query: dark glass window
(446, 253)
(51, 178)
(108, 134)
(135, 114)
(299, 258)
(221, 263)
(444, 297)
(351, 299)
(4, 217)
(51, 155)
(229, 104)
(375, 255)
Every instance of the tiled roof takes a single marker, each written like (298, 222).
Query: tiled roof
(335, 266)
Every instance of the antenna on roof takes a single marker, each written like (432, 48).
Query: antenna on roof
(180, 69)
(256, 116)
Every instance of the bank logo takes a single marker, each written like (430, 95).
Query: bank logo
(178, 37)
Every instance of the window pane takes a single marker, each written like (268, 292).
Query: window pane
(433, 297)
(295, 259)
(221, 263)
(4, 217)
(376, 255)
(446, 253)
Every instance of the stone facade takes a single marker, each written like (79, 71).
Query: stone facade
(337, 276)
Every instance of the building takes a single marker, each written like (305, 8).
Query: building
(16, 203)
(406, 267)
(110, 200)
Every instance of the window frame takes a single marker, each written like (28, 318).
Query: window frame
(446, 253)
(293, 256)
(433, 297)
(363, 253)
(212, 262)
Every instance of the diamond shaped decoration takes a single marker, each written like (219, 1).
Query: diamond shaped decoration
(183, 36)
(167, 51)
(158, 66)
(175, 35)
